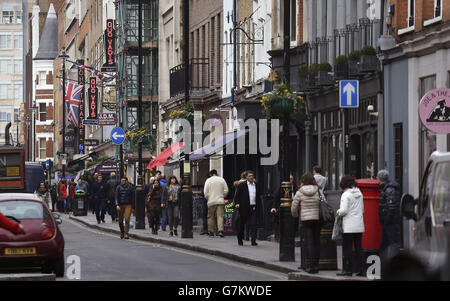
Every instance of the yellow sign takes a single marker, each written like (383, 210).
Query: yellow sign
(13, 171)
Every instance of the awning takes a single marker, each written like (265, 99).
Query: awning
(161, 159)
(107, 167)
(216, 145)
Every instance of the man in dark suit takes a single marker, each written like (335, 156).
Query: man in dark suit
(245, 200)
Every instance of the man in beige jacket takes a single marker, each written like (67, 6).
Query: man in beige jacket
(215, 191)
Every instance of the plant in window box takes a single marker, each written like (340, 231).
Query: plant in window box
(184, 112)
(323, 74)
(139, 135)
(368, 61)
(303, 73)
(282, 102)
(341, 67)
(311, 79)
(353, 62)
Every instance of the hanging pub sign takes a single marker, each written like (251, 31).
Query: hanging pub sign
(110, 47)
(434, 111)
(93, 98)
(81, 79)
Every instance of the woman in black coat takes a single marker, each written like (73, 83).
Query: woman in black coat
(154, 206)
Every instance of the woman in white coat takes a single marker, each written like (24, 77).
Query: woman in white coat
(351, 209)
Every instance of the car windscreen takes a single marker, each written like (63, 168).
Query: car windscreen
(24, 210)
(441, 193)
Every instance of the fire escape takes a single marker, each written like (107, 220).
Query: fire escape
(127, 62)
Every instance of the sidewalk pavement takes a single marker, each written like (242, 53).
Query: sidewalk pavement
(265, 255)
(27, 277)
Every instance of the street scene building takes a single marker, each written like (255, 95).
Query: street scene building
(323, 124)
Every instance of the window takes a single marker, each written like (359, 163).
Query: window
(437, 8)
(42, 112)
(42, 78)
(8, 17)
(5, 65)
(5, 90)
(410, 20)
(18, 41)
(16, 115)
(293, 22)
(5, 40)
(5, 117)
(19, 15)
(441, 193)
(42, 148)
(18, 66)
(18, 89)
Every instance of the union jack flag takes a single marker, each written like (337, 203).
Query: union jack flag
(73, 96)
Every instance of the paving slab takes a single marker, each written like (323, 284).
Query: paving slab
(27, 277)
(264, 255)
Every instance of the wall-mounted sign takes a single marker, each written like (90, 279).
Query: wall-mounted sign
(434, 111)
(110, 47)
(90, 122)
(81, 79)
(91, 142)
(107, 119)
(93, 98)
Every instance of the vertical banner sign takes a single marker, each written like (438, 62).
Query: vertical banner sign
(110, 44)
(93, 98)
(81, 79)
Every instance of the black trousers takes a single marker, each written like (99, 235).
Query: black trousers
(100, 209)
(348, 240)
(311, 230)
(250, 221)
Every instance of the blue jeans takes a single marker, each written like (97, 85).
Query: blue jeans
(163, 218)
(66, 205)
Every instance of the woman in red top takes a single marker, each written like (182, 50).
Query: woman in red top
(10, 225)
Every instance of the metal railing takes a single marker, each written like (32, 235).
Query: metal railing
(199, 76)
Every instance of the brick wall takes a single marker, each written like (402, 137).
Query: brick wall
(445, 10)
(300, 22)
(50, 148)
(50, 111)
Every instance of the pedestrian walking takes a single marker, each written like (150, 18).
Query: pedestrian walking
(81, 185)
(91, 193)
(71, 192)
(112, 184)
(245, 201)
(54, 197)
(307, 200)
(99, 195)
(124, 201)
(64, 194)
(236, 184)
(351, 209)
(44, 194)
(170, 200)
(153, 202)
(320, 179)
(389, 215)
(215, 190)
(163, 182)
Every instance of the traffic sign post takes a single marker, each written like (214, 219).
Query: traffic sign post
(349, 94)
(118, 136)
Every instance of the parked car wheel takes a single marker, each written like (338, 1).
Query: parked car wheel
(404, 267)
(59, 267)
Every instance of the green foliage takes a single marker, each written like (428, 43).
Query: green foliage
(282, 93)
(368, 50)
(98, 160)
(342, 59)
(324, 66)
(303, 71)
(313, 69)
(354, 55)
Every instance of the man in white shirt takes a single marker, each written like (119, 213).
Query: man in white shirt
(246, 202)
(215, 191)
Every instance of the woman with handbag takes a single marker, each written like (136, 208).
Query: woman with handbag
(351, 209)
(307, 199)
(154, 206)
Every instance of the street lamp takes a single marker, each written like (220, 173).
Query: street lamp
(64, 56)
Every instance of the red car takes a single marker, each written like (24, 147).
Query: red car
(42, 245)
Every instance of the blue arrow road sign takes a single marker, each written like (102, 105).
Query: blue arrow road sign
(348, 93)
(47, 164)
(118, 136)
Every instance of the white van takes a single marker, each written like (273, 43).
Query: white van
(428, 257)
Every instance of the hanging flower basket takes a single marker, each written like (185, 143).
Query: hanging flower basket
(282, 102)
(139, 135)
(185, 112)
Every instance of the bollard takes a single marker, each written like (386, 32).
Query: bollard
(287, 224)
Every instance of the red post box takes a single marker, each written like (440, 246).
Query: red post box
(371, 237)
